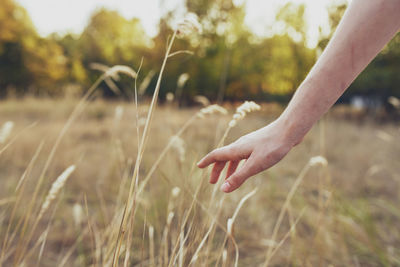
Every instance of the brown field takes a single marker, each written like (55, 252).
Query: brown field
(344, 214)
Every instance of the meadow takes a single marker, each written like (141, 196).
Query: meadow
(342, 212)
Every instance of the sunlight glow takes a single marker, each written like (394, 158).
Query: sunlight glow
(64, 16)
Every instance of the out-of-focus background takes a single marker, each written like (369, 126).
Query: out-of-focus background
(248, 49)
(306, 211)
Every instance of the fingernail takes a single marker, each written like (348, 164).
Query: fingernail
(225, 187)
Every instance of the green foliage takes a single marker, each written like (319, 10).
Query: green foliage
(229, 62)
(110, 38)
(27, 60)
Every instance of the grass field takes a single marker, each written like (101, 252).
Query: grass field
(345, 213)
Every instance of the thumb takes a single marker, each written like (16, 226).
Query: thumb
(249, 168)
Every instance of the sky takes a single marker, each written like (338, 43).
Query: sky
(64, 16)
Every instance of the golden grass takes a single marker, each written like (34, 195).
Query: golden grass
(346, 213)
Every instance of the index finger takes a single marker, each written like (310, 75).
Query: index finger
(226, 153)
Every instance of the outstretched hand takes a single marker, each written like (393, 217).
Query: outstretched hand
(261, 149)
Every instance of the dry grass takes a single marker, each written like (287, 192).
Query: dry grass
(344, 214)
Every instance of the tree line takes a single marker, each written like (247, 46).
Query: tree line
(229, 61)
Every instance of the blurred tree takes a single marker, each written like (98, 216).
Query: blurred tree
(76, 71)
(16, 29)
(229, 63)
(235, 63)
(46, 64)
(27, 60)
(335, 13)
(381, 78)
(109, 39)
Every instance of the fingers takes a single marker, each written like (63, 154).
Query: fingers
(226, 153)
(216, 171)
(249, 168)
(232, 168)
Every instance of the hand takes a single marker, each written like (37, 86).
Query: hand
(261, 149)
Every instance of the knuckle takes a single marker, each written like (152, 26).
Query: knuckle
(234, 182)
(234, 149)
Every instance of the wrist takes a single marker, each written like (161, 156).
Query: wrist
(293, 130)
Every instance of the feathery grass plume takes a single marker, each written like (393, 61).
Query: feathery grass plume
(175, 192)
(201, 100)
(179, 145)
(55, 189)
(242, 110)
(6, 131)
(115, 70)
(146, 82)
(183, 78)
(189, 25)
(224, 257)
(151, 245)
(103, 68)
(229, 226)
(77, 213)
(318, 160)
(169, 97)
(394, 101)
(212, 109)
(170, 217)
(112, 73)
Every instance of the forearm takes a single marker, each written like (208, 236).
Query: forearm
(365, 28)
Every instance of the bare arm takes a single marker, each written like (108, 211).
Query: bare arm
(365, 28)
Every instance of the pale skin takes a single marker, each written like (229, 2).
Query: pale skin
(365, 28)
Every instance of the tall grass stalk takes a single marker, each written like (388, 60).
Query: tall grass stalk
(54, 190)
(20, 188)
(77, 110)
(15, 138)
(129, 205)
(291, 231)
(312, 162)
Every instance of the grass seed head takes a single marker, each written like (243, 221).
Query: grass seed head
(170, 217)
(169, 97)
(229, 226)
(121, 69)
(183, 78)
(242, 110)
(179, 146)
(318, 160)
(175, 191)
(212, 109)
(55, 189)
(189, 25)
(202, 100)
(394, 101)
(114, 71)
(77, 213)
(6, 131)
